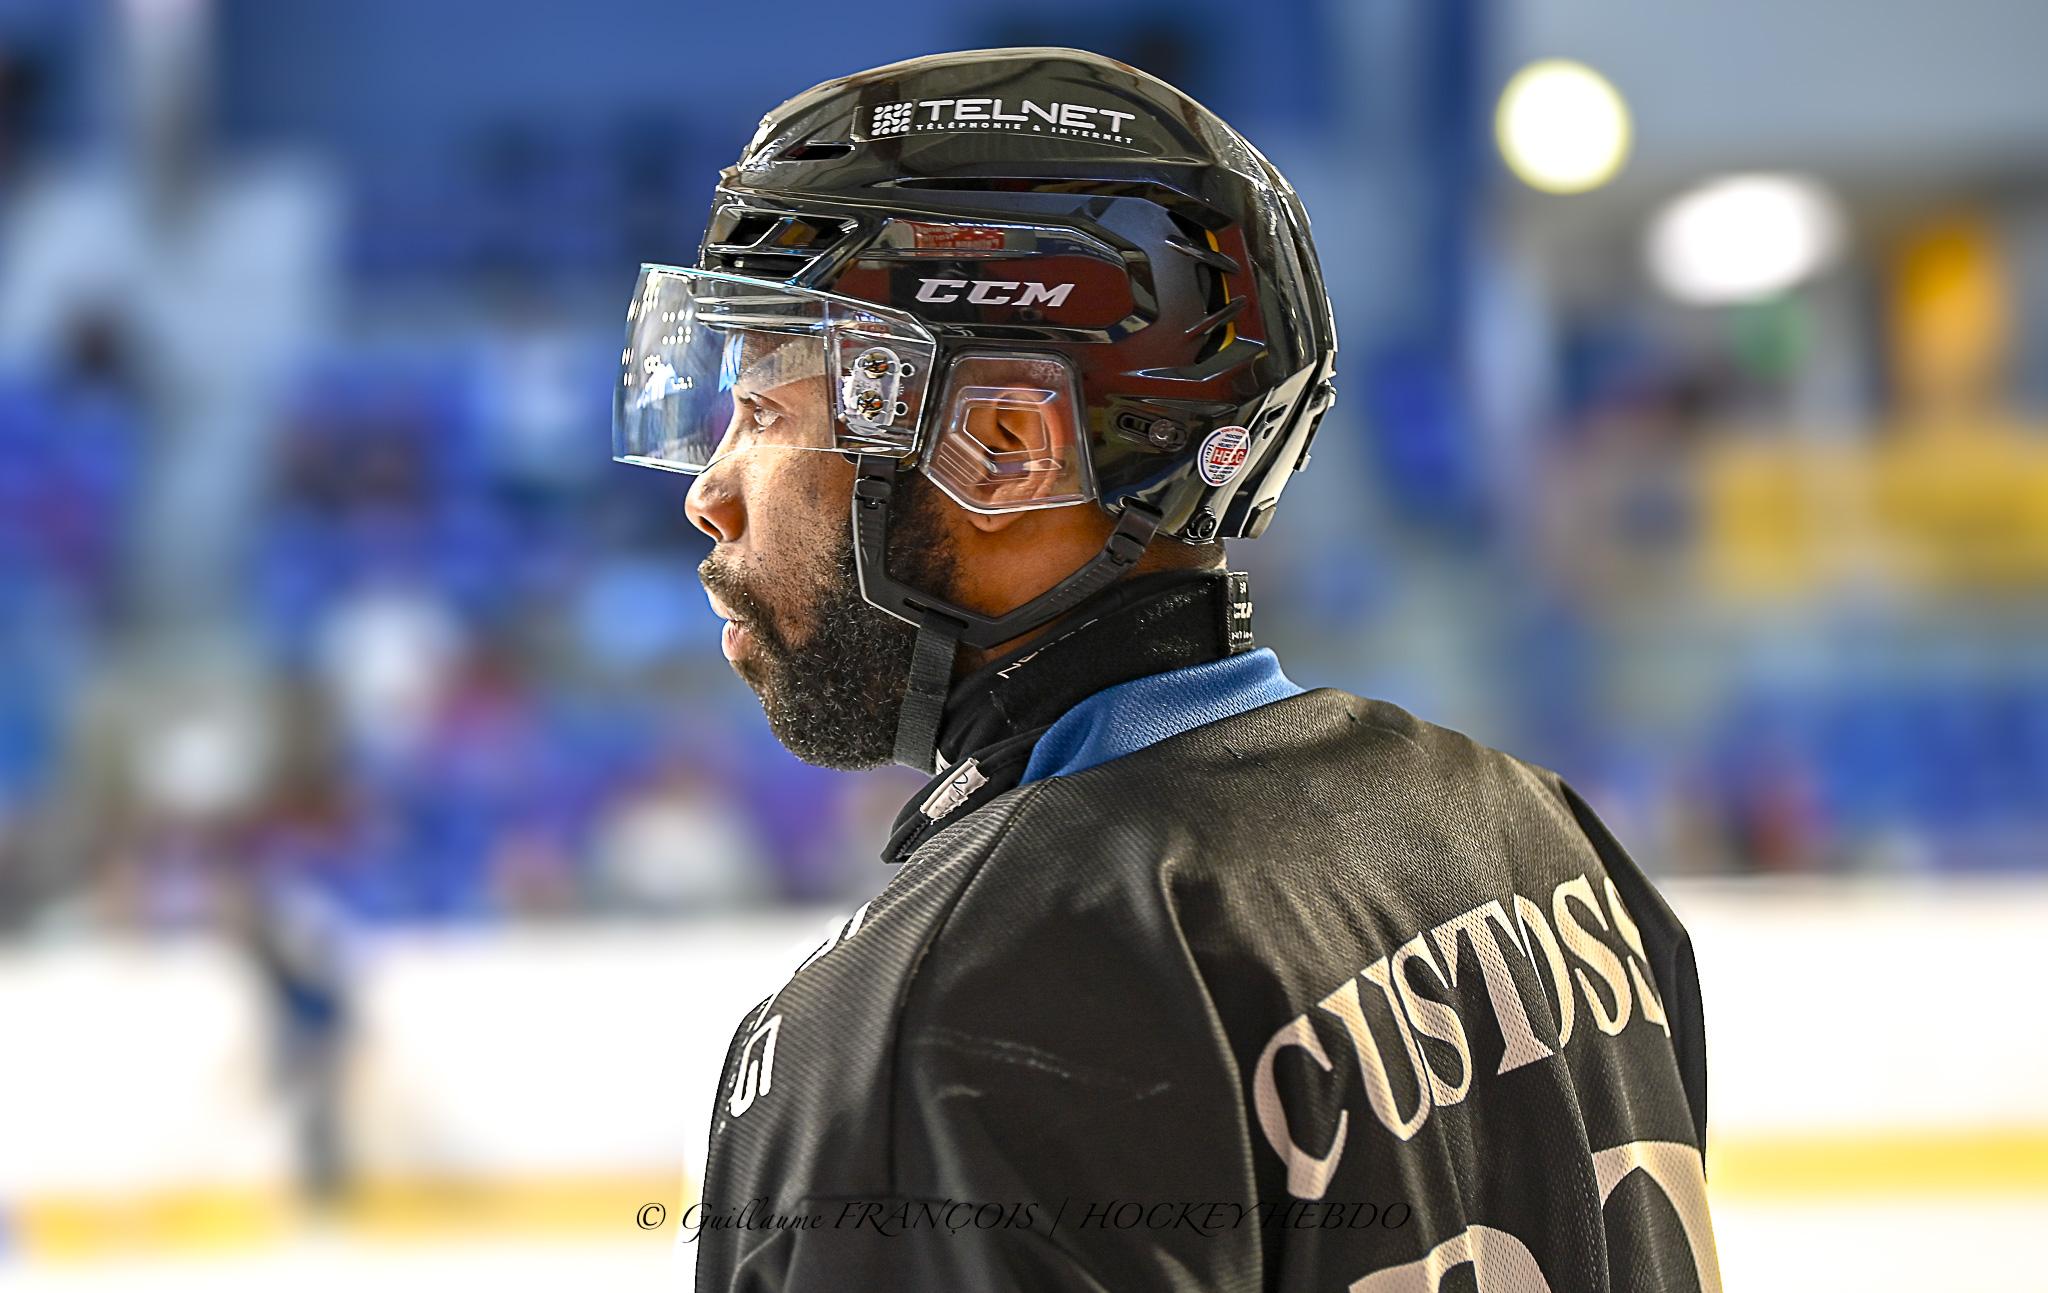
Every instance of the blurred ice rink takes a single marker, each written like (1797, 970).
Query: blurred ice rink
(516, 1098)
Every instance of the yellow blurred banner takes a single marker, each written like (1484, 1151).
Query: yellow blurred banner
(1957, 511)
(1935, 1164)
(203, 1220)
(192, 1220)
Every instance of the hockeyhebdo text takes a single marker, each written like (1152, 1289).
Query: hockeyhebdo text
(891, 1217)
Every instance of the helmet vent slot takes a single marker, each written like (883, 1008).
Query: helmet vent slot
(747, 229)
(817, 150)
(1211, 265)
(777, 243)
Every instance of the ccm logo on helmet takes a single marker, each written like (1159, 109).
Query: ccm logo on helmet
(991, 291)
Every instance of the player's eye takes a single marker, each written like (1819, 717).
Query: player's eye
(761, 417)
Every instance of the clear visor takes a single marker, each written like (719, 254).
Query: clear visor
(717, 364)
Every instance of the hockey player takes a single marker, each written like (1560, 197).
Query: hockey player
(1184, 978)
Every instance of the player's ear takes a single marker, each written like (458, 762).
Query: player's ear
(1010, 442)
(1024, 445)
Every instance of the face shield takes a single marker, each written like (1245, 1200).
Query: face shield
(717, 364)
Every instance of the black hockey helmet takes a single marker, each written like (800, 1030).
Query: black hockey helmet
(1039, 224)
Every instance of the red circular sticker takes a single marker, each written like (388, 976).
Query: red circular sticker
(1223, 454)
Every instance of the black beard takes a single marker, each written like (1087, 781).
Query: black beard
(832, 699)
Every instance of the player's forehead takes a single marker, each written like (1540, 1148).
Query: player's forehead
(785, 367)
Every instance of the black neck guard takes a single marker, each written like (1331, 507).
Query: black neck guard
(994, 716)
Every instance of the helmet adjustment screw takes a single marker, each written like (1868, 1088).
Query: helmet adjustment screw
(1166, 433)
(1203, 527)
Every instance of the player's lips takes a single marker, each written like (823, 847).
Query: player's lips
(735, 637)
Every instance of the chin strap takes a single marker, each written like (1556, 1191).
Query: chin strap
(924, 696)
(944, 625)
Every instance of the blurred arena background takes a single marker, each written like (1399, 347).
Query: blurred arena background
(386, 849)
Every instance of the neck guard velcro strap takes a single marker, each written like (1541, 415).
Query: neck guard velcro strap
(924, 695)
(995, 714)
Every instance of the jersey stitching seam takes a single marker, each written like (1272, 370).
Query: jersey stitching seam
(1031, 1057)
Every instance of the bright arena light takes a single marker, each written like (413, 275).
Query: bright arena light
(1562, 127)
(1742, 238)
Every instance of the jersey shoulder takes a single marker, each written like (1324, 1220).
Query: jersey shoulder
(1324, 775)
(1220, 838)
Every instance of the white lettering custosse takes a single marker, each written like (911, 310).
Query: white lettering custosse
(1612, 985)
(1564, 947)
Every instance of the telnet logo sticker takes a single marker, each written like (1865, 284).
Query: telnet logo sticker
(891, 119)
(1073, 120)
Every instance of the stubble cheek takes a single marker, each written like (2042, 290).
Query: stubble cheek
(813, 497)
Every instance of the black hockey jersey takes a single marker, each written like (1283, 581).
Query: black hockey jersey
(1320, 996)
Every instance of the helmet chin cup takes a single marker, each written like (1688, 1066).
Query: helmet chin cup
(943, 625)
(874, 495)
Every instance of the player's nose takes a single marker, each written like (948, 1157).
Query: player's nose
(714, 504)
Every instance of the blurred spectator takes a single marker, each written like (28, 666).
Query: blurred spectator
(675, 843)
